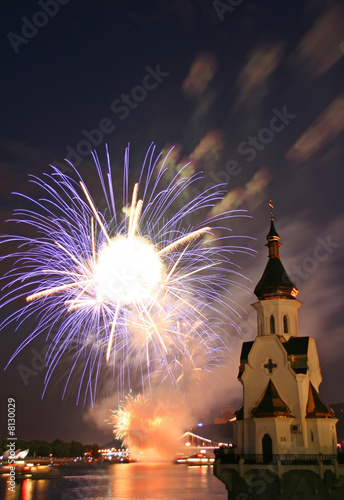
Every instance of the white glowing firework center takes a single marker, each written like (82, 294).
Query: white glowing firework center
(128, 270)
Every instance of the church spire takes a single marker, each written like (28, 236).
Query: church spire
(273, 238)
(275, 282)
(271, 212)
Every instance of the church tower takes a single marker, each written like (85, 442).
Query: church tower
(282, 411)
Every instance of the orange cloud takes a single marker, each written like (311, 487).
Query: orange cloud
(262, 61)
(252, 194)
(200, 75)
(209, 148)
(319, 50)
(327, 126)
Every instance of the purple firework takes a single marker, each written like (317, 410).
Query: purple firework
(131, 289)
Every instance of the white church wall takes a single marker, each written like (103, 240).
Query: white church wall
(279, 431)
(256, 378)
(277, 308)
(327, 435)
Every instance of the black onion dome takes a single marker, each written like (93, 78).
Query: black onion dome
(275, 281)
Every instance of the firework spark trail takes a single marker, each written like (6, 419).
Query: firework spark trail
(89, 275)
(129, 411)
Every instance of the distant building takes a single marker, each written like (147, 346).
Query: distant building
(283, 427)
(15, 455)
(226, 415)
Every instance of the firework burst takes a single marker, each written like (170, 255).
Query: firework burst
(131, 289)
(129, 416)
(147, 430)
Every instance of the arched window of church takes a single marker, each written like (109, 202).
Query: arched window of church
(272, 324)
(285, 324)
(312, 436)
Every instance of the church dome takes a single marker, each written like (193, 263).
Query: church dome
(275, 281)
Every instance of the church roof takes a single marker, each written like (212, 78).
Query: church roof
(316, 407)
(275, 281)
(272, 233)
(270, 404)
(297, 346)
(297, 350)
(245, 350)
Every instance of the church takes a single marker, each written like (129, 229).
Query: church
(282, 369)
(283, 427)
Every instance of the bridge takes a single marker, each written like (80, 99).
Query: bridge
(198, 447)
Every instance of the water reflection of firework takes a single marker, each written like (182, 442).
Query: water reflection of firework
(116, 286)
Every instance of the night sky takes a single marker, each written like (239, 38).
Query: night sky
(250, 92)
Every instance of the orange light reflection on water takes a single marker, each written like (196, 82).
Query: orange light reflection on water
(34, 489)
(150, 480)
(158, 480)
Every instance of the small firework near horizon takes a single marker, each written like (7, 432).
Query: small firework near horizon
(133, 287)
(128, 415)
(145, 428)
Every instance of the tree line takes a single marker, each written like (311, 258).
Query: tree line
(57, 448)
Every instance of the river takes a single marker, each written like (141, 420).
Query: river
(133, 481)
